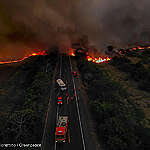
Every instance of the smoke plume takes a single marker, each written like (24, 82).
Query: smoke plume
(29, 24)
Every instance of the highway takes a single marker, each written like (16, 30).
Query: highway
(73, 106)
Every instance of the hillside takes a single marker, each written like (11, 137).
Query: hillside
(24, 95)
(119, 100)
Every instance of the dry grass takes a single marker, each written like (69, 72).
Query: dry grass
(141, 98)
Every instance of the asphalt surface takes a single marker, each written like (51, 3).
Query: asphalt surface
(73, 106)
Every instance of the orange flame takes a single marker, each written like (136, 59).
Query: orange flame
(25, 57)
(72, 52)
(98, 60)
(141, 48)
(138, 48)
(106, 59)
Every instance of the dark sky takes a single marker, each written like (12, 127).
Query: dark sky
(27, 23)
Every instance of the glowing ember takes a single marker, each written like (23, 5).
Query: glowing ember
(72, 52)
(34, 54)
(138, 49)
(134, 48)
(141, 48)
(98, 60)
(25, 57)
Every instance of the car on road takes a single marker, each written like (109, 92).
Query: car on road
(74, 73)
(59, 100)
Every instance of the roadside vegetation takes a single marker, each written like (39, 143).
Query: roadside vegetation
(24, 96)
(119, 100)
(137, 66)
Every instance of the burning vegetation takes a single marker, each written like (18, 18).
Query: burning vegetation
(25, 57)
(109, 53)
(98, 60)
(118, 97)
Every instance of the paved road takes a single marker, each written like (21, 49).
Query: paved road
(73, 107)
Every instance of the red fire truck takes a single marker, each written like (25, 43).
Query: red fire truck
(74, 73)
(59, 100)
(61, 129)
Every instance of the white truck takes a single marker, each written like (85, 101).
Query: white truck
(61, 84)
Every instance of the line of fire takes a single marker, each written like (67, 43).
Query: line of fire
(88, 53)
(109, 53)
(41, 52)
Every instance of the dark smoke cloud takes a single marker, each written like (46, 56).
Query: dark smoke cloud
(25, 24)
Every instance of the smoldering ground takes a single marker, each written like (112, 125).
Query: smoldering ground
(27, 24)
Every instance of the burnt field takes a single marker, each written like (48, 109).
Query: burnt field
(119, 99)
(24, 94)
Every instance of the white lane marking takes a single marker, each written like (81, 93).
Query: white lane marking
(77, 108)
(45, 126)
(55, 146)
(47, 67)
(56, 122)
(60, 66)
(57, 113)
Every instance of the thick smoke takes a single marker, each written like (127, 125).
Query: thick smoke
(29, 24)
